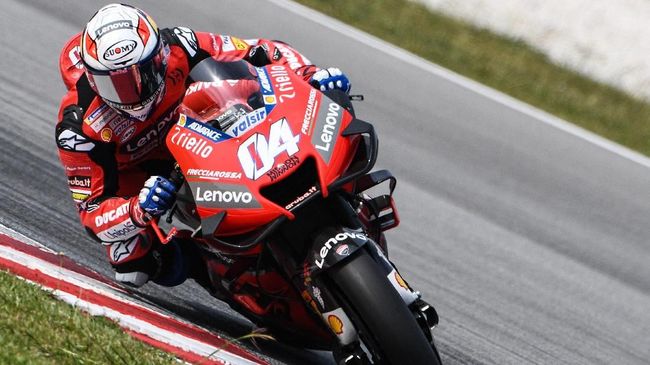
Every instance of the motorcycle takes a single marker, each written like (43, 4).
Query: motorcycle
(275, 192)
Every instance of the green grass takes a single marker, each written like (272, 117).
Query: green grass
(35, 328)
(504, 64)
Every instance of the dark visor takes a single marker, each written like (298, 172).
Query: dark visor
(130, 87)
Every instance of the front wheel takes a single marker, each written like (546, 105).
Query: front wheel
(385, 324)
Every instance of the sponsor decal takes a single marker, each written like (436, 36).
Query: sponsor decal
(106, 134)
(72, 141)
(282, 83)
(231, 115)
(146, 101)
(223, 196)
(203, 129)
(280, 169)
(335, 324)
(310, 112)
(239, 44)
(401, 281)
(119, 232)
(112, 215)
(327, 129)
(257, 148)
(276, 54)
(267, 89)
(79, 196)
(122, 250)
(193, 144)
(334, 241)
(301, 198)
(77, 168)
(149, 138)
(188, 39)
(213, 174)
(264, 81)
(247, 122)
(290, 56)
(79, 181)
(119, 24)
(269, 100)
(202, 85)
(227, 44)
(97, 119)
(120, 50)
(343, 250)
(75, 57)
(186, 139)
(318, 296)
(127, 134)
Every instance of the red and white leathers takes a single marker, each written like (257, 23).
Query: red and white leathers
(107, 156)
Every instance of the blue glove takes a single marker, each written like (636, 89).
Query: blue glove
(157, 195)
(330, 79)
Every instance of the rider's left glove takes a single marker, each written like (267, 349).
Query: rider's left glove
(330, 79)
(156, 197)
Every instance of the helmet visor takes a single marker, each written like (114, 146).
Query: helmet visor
(131, 87)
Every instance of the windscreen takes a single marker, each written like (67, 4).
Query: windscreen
(223, 94)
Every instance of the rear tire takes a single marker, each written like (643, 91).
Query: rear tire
(384, 322)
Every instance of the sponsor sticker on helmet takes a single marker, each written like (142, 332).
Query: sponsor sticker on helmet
(120, 50)
(109, 27)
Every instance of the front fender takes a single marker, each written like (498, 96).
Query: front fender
(332, 246)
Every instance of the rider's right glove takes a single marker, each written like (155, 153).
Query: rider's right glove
(330, 79)
(155, 198)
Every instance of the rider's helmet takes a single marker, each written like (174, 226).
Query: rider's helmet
(125, 59)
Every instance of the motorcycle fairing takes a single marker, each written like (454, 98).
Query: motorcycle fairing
(301, 124)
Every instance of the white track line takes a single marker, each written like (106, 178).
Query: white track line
(401, 54)
(125, 320)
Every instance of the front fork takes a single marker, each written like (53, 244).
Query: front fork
(342, 244)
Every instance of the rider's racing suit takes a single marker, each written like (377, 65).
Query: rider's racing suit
(108, 156)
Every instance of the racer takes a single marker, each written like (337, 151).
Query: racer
(125, 79)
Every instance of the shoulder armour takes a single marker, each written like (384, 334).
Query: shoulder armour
(185, 38)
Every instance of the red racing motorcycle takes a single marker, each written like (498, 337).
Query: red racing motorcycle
(275, 192)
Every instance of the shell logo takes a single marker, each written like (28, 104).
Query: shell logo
(106, 134)
(269, 99)
(335, 324)
(182, 120)
(401, 281)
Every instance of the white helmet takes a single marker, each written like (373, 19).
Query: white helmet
(125, 59)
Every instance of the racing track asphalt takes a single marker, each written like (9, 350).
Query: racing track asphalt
(531, 243)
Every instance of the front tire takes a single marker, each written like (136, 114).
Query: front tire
(384, 322)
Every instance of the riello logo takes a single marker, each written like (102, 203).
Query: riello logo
(119, 50)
